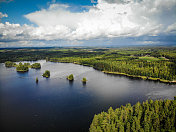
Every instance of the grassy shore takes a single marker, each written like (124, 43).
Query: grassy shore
(142, 77)
(22, 70)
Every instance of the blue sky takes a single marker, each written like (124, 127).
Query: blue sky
(25, 23)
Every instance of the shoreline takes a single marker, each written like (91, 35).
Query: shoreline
(118, 73)
(141, 77)
(133, 76)
(127, 75)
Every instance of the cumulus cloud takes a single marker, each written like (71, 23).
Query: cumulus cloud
(106, 19)
(9, 32)
(56, 14)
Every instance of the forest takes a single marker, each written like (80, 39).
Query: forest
(148, 63)
(149, 116)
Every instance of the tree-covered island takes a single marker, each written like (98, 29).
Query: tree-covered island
(10, 64)
(70, 77)
(22, 67)
(36, 66)
(46, 74)
(84, 80)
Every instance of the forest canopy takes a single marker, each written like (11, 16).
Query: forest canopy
(150, 116)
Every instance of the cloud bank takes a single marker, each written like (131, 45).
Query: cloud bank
(106, 19)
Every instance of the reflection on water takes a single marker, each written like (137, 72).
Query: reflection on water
(56, 104)
(84, 84)
(71, 83)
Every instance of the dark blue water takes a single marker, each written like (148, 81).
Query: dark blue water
(55, 104)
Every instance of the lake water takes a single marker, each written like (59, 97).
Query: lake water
(55, 104)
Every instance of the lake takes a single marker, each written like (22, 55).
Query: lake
(55, 104)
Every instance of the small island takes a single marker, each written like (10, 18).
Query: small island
(9, 64)
(46, 74)
(36, 80)
(22, 67)
(36, 66)
(70, 77)
(84, 80)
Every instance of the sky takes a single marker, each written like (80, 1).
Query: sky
(47, 23)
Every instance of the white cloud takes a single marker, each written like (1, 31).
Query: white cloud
(3, 15)
(23, 44)
(148, 42)
(56, 14)
(107, 19)
(15, 32)
(171, 29)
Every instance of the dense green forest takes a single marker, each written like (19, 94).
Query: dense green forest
(152, 63)
(33, 54)
(150, 116)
